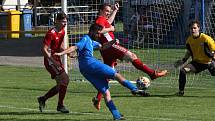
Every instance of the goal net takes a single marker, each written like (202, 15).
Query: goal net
(155, 30)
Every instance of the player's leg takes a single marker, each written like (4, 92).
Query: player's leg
(211, 68)
(53, 91)
(192, 67)
(96, 100)
(100, 83)
(111, 106)
(61, 85)
(63, 81)
(124, 54)
(106, 71)
(137, 63)
(129, 85)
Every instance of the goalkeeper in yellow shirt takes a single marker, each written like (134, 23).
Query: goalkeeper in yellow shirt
(201, 48)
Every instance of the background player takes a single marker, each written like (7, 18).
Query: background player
(201, 48)
(116, 51)
(97, 72)
(53, 43)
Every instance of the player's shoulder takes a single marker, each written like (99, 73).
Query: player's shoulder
(51, 31)
(206, 38)
(190, 38)
(100, 18)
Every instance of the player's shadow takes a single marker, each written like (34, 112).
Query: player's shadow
(24, 113)
(162, 96)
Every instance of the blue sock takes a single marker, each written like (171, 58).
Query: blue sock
(113, 110)
(129, 85)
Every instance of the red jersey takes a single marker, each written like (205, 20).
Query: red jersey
(101, 20)
(54, 39)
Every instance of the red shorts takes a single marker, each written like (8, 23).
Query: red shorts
(52, 69)
(113, 53)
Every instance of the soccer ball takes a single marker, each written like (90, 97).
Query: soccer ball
(143, 83)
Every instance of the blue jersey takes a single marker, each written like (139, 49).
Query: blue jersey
(92, 69)
(85, 51)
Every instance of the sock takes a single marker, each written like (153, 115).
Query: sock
(129, 85)
(182, 79)
(113, 110)
(99, 96)
(143, 67)
(62, 93)
(53, 91)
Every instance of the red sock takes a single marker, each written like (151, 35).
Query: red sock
(143, 67)
(99, 96)
(53, 91)
(62, 93)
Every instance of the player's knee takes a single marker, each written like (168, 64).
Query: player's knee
(130, 56)
(107, 95)
(63, 79)
(183, 70)
(64, 82)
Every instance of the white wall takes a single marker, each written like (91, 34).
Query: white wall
(11, 4)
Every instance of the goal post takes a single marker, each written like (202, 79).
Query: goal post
(65, 43)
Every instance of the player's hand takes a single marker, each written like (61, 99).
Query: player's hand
(112, 28)
(73, 55)
(178, 63)
(116, 41)
(58, 54)
(116, 6)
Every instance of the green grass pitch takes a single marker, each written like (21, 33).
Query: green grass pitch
(20, 86)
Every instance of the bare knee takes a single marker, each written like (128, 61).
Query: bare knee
(130, 56)
(119, 77)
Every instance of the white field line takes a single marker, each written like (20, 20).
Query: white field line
(130, 117)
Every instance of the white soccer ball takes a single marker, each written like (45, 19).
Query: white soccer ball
(143, 83)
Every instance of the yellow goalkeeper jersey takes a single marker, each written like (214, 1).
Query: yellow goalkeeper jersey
(197, 47)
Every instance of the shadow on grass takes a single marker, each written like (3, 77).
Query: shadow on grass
(165, 96)
(14, 119)
(53, 114)
(37, 89)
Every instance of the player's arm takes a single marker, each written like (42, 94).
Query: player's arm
(186, 56)
(106, 30)
(67, 51)
(112, 16)
(184, 59)
(209, 48)
(47, 54)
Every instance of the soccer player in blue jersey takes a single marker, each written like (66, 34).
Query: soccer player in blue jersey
(97, 72)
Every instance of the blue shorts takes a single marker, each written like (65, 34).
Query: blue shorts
(97, 74)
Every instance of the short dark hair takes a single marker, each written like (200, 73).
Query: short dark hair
(194, 22)
(94, 28)
(102, 7)
(61, 15)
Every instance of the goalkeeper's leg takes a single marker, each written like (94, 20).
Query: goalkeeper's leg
(182, 82)
(192, 67)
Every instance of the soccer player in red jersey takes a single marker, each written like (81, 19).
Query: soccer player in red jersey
(52, 43)
(116, 51)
